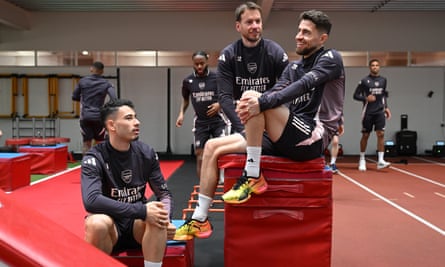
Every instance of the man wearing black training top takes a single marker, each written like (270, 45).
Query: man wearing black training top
(91, 92)
(371, 91)
(291, 112)
(113, 181)
(208, 121)
(250, 63)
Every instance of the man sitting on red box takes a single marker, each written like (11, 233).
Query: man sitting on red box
(289, 112)
(303, 84)
(114, 176)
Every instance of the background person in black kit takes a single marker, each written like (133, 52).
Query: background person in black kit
(250, 63)
(92, 91)
(290, 111)
(371, 90)
(113, 181)
(208, 121)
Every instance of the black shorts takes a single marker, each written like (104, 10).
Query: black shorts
(92, 130)
(125, 239)
(373, 121)
(292, 135)
(204, 131)
(328, 136)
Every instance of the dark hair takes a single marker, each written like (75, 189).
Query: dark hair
(98, 65)
(319, 18)
(373, 60)
(246, 6)
(112, 106)
(200, 53)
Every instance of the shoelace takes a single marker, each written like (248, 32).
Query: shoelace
(187, 223)
(243, 179)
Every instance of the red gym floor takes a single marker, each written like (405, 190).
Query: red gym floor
(390, 217)
(393, 217)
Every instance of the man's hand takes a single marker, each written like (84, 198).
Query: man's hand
(171, 230)
(213, 109)
(387, 113)
(370, 98)
(247, 107)
(156, 214)
(341, 130)
(179, 120)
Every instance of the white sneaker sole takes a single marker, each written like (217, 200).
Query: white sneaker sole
(382, 166)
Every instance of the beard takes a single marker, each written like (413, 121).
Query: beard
(306, 51)
(254, 39)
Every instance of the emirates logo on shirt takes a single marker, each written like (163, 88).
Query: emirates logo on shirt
(252, 67)
(126, 176)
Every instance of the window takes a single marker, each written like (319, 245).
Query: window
(151, 58)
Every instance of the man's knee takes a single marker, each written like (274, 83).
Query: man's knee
(380, 134)
(97, 225)
(209, 147)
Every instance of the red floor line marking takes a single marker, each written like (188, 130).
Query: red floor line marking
(407, 212)
(439, 194)
(414, 175)
(409, 195)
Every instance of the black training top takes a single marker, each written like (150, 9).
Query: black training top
(303, 83)
(203, 93)
(91, 91)
(114, 182)
(375, 85)
(243, 68)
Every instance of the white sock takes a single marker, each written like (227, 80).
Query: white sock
(202, 208)
(152, 264)
(362, 155)
(253, 161)
(381, 154)
(333, 159)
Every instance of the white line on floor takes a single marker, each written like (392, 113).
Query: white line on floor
(439, 194)
(407, 212)
(408, 194)
(54, 175)
(414, 175)
(430, 161)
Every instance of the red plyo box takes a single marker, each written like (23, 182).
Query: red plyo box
(288, 225)
(15, 170)
(46, 159)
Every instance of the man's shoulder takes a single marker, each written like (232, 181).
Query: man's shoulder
(331, 55)
(232, 46)
(188, 78)
(142, 148)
